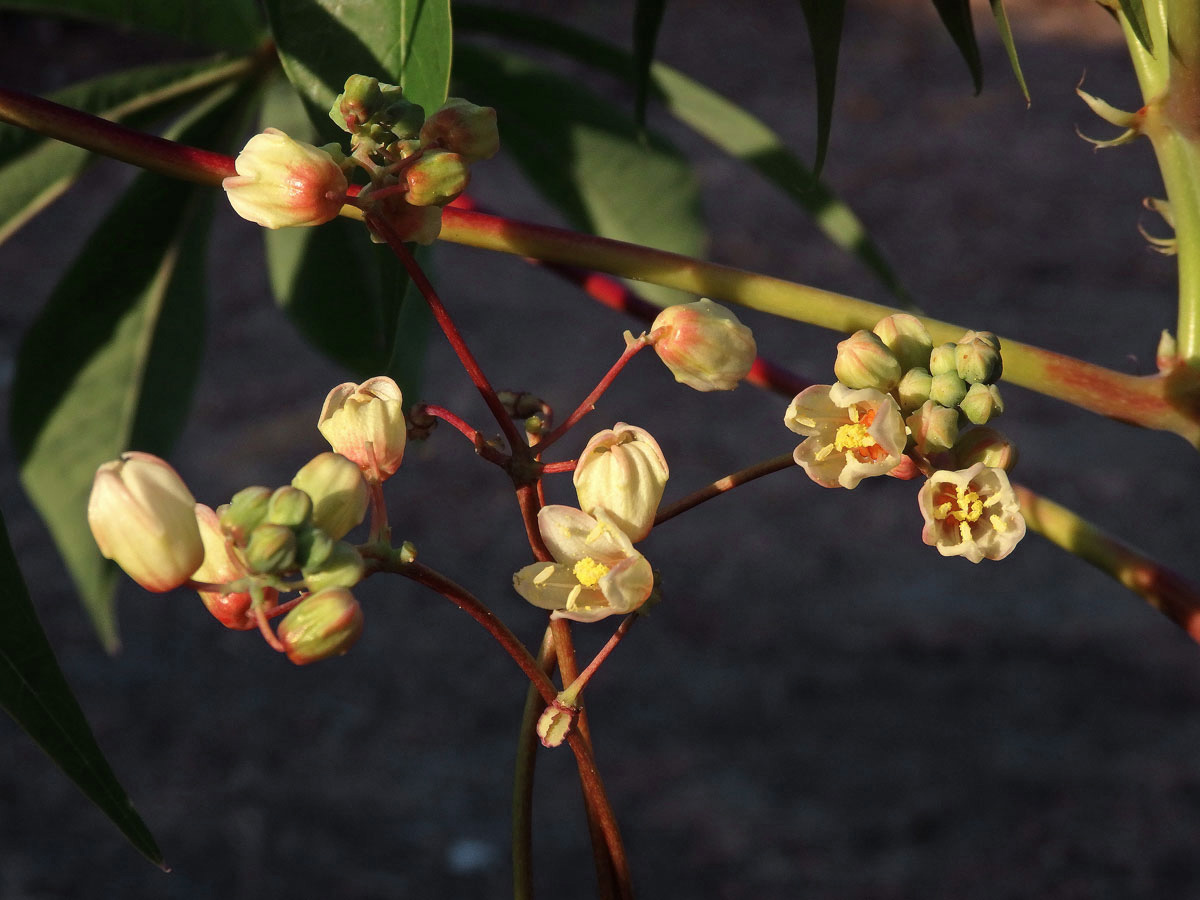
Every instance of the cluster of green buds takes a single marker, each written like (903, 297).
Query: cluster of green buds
(902, 407)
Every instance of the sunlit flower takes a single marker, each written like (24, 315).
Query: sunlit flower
(365, 423)
(852, 435)
(623, 472)
(281, 182)
(596, 572)
(972, 512)
(704, 345)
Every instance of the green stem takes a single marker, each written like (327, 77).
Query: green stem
(523, 770)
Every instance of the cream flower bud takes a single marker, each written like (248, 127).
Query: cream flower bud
(223, 566)
(464, 128)
(987, 446)
(913, 389)
(981, 403)
(947, 389)
(941, 359)
(977, 357)
(143, 518)
(322, 625)
(864, 361)
(339, 494)
(365, 423)
(973, 513)
(934, 428)
(907, 338)
(623, 472)
(704, 345)
(281, 182)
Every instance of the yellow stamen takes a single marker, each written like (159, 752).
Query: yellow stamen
(589, 572)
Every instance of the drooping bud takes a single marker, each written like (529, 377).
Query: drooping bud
(245, 512)
(941, 359)
(464, 128)
(323, 624)
(914, 388)
(365, 423)
(289, 506)
(977, 357)
(339, 494)
(987, 446)
(947, 389)
(271, 549)
(281, 182)
(436, 178)
(143, 517)
(907, 338)
(222, 566)
(623, 472)
(704, 345)
(342, 568)
(934, 428)
(863, 361)
(981, 403)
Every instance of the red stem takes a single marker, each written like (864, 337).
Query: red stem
(567, 465)
(581, 680)
(484, 449)
(589, 402)
(721, 485)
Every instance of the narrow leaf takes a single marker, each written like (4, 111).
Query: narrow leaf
(824, 19)
(647, 18)
(34, 692)
(1135, 12)
(228, 24)
(956, 16)
(719, 120)
(1007, 37)
(112, 356)
(322, 42)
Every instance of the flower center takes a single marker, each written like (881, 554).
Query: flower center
(589, 572)
(855, 438)
(965, 507)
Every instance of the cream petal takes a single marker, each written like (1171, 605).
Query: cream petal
(546, 585)
(627, 584)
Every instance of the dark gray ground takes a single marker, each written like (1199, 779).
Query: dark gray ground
(822, 707)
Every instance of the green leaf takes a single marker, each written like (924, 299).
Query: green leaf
(1007, 37)
(824, 19)
(35, 171)
(346, 295)
(34, 692)
(1135, 12)
(956, 16)
(647, 18)
(586, 157)
(228, 24)
(323, 42)
(111, 359)
(716, 118)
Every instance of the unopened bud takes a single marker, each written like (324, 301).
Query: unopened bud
(864, 361)
(941, 359)
(907, 338)
(464, 128)
(436, 178)
(245, 512)
(223, 566)
(342, 568)
(357, 102)
(914, 388)
(281, 182)
(289, 506)
(987, 446)
(947, 389)
(981, 403)
(271, 549)
(934, 428)
(323, 624)
(704, 345)
(420, 224)
(623, 472)
(977, 358)
(339, 493)
(313, 547)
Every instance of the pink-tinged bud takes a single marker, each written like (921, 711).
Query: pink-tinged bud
(436, 178)
(977, 357)
(864, 361)
(464, 128)
(987, 446)
(322, 625)
(934, 428)
(143, 518)
(623, 472)
(339, 494)
(704, 345)
(365, 423)
(907, 338)
(281, 182)
(418, 224)
(223, 566)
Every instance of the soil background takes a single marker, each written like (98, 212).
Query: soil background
(822, 706)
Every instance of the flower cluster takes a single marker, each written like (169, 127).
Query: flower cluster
(264, 542)
(902, 406)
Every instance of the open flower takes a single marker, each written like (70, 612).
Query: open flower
(365, 423)
(281, 182)
(852, 435)
(972, 512)
(596, 572)
(622, 471)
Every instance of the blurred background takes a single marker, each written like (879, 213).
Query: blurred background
(822, 706)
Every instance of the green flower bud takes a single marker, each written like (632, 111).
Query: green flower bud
(977, 359)
(436, 178)
(400, 116)
(289, 506)
(941, 359)
(934, 428)
(272, 549)
(245, 512)
(947, 389)
(864, 361)
(338, 491)
(981, 403)
(914, 388)
(463, 128)
(987, 446)
(353, 108)
(342, 568)
(313, 547)
(907, 338)
(323, 624)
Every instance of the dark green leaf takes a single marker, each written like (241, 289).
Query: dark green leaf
(585, 156)
(111, 358)
(34, 171)
(1135, 12)
(229, 24)
(322, 42)
(34, 692)
(824, 19)
(647, 18)
(721, 121)
(1006, 36)
(956, 16)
